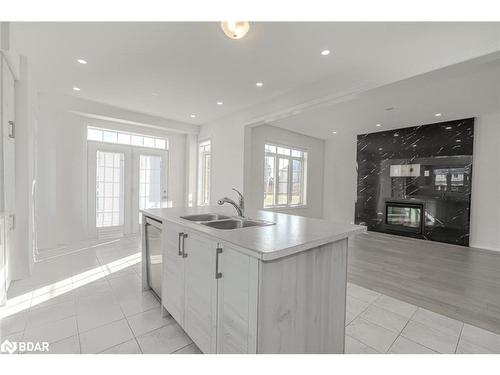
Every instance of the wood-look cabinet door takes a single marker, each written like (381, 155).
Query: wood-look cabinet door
(200, 320)
(173, 272)
(237, 302)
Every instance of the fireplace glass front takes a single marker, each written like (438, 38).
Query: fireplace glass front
(404, 216)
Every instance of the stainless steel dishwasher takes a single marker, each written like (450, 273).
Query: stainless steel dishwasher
(153, 230)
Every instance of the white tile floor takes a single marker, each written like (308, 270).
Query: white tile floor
(92, 302)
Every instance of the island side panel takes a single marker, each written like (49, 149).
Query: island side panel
(302, 301)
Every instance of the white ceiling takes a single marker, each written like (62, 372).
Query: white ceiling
(464, 90)
(176, 69)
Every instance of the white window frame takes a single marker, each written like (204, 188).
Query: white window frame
(156, 140)
(201, 174)
(303, 175)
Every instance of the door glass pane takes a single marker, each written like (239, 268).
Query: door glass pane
(109, 189)
(149, 182)
(282, 181)
(269, 181)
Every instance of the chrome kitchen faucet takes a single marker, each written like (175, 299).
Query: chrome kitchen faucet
(240, 208)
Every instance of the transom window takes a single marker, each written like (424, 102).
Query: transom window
(285, 179)
(125, 138)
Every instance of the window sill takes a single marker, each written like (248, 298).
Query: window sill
(281, 208)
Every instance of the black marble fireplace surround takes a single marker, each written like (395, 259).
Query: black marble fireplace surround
(416, 181)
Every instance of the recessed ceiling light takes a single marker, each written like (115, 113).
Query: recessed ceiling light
(334, 132)
(193, 116)
(380, 148)
(76, 89)
(438, 114)
(448, 128)
(259, 84)
(220, 103)
(378, 125)
(396, 134)
(458, 140)
(414, 145)
(325, 52)
(82, 61)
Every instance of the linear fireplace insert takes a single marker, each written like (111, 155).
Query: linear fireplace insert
(404, 216)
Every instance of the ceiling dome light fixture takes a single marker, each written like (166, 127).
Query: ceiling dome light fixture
(235, 29)
(325, 52)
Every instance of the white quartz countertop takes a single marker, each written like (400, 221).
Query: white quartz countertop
(291, 234)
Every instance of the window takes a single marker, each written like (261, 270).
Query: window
(204, 171)
(125, 138)
(284, 176)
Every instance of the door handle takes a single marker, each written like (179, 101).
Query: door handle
(184, 236)
(218, 274)
(179, 251)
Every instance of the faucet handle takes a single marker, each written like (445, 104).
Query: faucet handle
(242, 201)
(237, 191)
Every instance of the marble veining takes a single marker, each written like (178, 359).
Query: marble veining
(427, 165)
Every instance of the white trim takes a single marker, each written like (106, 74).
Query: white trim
(203, 142)
(303, 175)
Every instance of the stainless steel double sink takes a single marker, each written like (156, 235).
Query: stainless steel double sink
(224, 222)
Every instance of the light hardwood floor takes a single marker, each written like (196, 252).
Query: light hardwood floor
(459, 282)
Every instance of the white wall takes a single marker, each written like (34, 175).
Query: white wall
(228, 139)
(485, 211)
(340, 181)
(340, 178)
(61, 170)
(254, 186)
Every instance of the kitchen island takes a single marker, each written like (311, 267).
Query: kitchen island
(277, 285)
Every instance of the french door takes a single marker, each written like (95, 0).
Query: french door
(122, 181)
(150, 182)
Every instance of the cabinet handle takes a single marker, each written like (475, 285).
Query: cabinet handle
(184, 236)
(12, 132)
(218, 274)
(179, 244)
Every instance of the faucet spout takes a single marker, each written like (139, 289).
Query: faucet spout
(240, 208)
